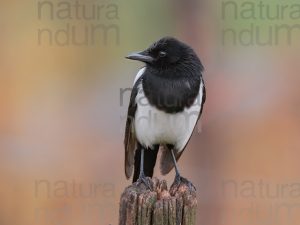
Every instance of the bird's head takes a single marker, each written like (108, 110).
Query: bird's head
(166, 53)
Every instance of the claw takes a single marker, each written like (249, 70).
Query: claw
(181, 180)
(190, 185)
(143, 180)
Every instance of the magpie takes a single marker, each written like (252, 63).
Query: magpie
(166, 102)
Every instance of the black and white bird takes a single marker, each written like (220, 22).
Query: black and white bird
(166, 102)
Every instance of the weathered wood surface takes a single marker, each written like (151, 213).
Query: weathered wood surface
(140, 206)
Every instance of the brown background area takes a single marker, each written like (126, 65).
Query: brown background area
(61, 119)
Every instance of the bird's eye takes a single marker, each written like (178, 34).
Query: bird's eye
(162, 54)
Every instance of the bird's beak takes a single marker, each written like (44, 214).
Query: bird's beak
(140, 56)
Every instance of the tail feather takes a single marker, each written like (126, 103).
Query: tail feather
(150, 156)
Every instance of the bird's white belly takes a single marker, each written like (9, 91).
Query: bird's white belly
(154, 126)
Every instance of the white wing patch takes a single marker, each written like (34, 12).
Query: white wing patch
(139, 74)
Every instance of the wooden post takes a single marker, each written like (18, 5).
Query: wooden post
(140, 206)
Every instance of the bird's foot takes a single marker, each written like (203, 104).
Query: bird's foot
(144, 180)
(181, 180)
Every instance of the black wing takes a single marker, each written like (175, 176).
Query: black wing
(130, 141)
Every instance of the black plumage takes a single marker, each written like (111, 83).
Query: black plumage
(171, 82)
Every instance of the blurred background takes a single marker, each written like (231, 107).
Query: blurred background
(63, 104)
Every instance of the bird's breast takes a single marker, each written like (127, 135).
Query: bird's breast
(155, 126)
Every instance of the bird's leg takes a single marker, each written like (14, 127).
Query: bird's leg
(178, 178)
(142, 178)
(177, 175)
